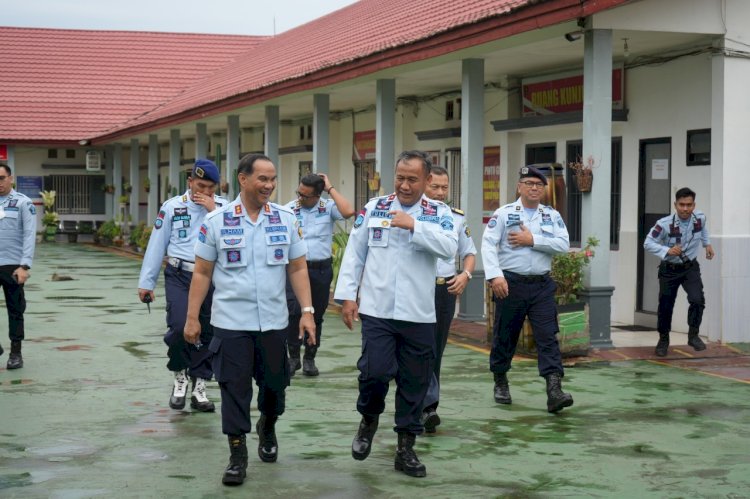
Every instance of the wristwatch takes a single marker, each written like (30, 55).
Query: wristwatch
(25, 267)
(308, 309)
(468, 274)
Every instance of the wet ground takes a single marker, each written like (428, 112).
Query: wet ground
(87, 416)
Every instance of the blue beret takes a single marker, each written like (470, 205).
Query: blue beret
(530, 171)
(207, 170)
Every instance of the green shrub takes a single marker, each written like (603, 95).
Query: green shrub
(135, 234)
(567, 271)
(145, 236)
(109, 230)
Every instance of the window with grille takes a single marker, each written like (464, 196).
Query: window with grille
(77, 194)
(365, 185)
(453, 165)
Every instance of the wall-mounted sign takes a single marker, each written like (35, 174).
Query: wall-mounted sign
(93, 161)
(3, 152)
(364, 145)
(562, 93)
(490, 182)
(30, 186)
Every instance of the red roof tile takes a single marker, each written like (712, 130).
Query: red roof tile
(65, 85)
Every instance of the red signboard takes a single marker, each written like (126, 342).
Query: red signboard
(3, 152)
(490, 182)
(564, 93)
(364, 145)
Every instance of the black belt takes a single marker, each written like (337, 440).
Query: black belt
(319, 264)
(526, 278)
(678, 266)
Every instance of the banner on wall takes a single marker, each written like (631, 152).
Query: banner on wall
(562, 93)
(364, 146)
(30, 186)
(490, 182)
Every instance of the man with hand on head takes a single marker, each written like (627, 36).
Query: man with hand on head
(174, 234)
(389, 263)
(517, 249)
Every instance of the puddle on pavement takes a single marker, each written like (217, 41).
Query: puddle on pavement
(182, 477)
(48, 339)
(73, 348)
(74, 298)
(132, 348)
(16, 382)
(17, 480)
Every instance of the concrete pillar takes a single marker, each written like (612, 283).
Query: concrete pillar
(271, 149)
(135, 181)
(114, 174)
(233, 153)
(321, 120)
(472, 161)
(153, 176)
(385, 132)
(117, 179)
(597, 149)
(109, 165)
(201, 141)
(174, 161)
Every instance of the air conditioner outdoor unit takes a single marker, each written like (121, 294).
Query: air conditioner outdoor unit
(93, 161)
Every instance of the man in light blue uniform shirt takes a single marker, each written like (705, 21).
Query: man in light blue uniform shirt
(676, 239)
(247, 249)
(517, 249)
(389, 264)
(174, 233)
(17, 240)
(317, 218)
(448, 286)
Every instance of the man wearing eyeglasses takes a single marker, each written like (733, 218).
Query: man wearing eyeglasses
(17, 240)
(517, 249)
(317, 217)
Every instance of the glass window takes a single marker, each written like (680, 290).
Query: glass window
(698, 147)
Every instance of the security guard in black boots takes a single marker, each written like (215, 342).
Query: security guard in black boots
(517, 249)
(676, 240)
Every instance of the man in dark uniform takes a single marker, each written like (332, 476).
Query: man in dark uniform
(676, 239)
(317, 218)
(389, 263)
(247, 249)
(17, 240)
(517, 249)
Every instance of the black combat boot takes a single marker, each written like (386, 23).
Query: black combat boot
(406, 459)
(268, 447)
(694, 340)
(308, 361)
(663, 345)
(15, 360)
(502, 390)
(236, 470)
(363, 439)
(294, 363)
(430, 419)
(556, 398)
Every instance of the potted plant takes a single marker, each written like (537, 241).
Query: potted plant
(567, 272)
(144, 237)
(584, 173)
(147, 184)
(127, 187)
(108, 232)
(50, 218)
(108, 188)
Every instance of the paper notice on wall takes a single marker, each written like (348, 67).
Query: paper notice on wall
(659, 169)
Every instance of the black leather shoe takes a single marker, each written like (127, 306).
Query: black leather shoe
(309, 368)
(268, 447)
(15, 359)
(406, 459)
(695, 341)
(662, 346)
(557, 400)
(430, 420)
(502, 390)
(294, 365)
(363, 439)
(236, 470)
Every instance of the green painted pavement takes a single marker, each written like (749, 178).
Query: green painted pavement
(88, 417)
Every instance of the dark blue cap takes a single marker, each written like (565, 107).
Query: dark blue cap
(207, 170)
(530, 171)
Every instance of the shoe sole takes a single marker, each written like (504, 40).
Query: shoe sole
(312, 374)
(417, 474)
(361, 456)
(233, 481)
(503, 401)
(560, 407)
(198, 408)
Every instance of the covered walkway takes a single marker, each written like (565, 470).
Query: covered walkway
(87, 416)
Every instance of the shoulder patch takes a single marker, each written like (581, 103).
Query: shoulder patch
(656, 231)
(456, 210)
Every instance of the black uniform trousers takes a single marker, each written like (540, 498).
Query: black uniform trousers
(320, 274)
(183, 355)
(671, 277)
(445, 309)
(401, 350)
(240, 356)
(532, 296)
(15, 301)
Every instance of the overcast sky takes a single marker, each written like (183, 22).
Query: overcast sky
(241, 17)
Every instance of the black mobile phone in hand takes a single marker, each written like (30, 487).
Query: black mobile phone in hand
(147, 300)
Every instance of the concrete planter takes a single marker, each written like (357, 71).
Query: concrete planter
(573, 336)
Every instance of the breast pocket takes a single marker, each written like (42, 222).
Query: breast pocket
(9, 219)
(233, 251)
(379, 231)
(277, 249)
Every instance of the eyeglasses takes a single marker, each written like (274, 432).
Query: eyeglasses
(302, 196)
(3, 177)
(531, 185)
